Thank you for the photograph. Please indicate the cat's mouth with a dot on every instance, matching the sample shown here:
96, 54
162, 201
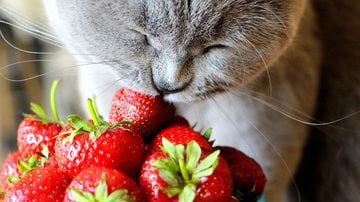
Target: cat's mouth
190, 91
188, 96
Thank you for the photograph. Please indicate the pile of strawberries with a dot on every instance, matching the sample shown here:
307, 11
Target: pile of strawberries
145, 152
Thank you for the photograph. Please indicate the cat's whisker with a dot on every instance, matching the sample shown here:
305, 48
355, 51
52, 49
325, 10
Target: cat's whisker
285, 110
36, 29
56, 71
22, 62
43, 36
293, 113
23, 50
282, 108
25, 21
108, 85
243, 72
274, 148
267, 140
231, 120
57, 53
276, 16
264, 63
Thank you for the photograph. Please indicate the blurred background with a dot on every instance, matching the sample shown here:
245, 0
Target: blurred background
15, 93
28, 65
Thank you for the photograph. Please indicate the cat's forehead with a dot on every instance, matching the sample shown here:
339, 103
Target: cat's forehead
180, 21
182, 18
160, 16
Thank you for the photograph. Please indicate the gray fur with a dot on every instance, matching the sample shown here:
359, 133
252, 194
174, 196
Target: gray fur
248, 68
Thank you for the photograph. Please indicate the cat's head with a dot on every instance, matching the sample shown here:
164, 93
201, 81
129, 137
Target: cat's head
187, 50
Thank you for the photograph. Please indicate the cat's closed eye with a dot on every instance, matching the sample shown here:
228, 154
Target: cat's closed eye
214, 47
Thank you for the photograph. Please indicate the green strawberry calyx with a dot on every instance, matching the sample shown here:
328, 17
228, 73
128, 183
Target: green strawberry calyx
95, 128
40, 112
29, 164
182, 169
207, 134
101, 194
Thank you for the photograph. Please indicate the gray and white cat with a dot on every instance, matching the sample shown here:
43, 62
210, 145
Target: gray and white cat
250, 69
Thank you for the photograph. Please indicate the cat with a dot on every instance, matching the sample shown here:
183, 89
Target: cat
250, 69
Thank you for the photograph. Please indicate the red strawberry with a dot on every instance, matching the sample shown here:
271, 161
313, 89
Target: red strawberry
9, 169
185, 174
33, 133
178, 134
45, 184
179, 120
248, 176
103, 184
84, 144
15, 168
148, 113
37, 130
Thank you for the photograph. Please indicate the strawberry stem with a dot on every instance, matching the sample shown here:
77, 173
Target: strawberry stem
53, 104
93, 112
96, 110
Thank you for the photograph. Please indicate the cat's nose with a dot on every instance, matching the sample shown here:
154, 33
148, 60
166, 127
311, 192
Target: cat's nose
165, 88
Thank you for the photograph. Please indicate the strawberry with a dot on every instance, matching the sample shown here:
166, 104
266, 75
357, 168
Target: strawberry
148, 113
178, 134
9, 170
103, 184
37, 130
179, 120
185, 174
15, 168
45, 183
34, 133
248, 176
84, 144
